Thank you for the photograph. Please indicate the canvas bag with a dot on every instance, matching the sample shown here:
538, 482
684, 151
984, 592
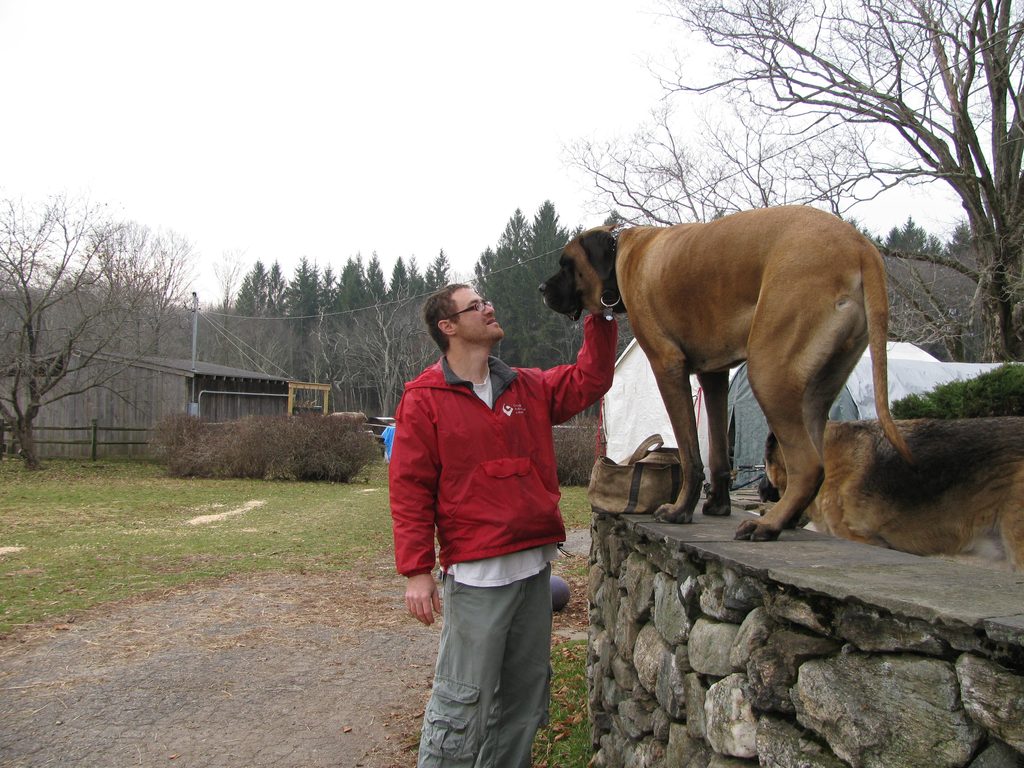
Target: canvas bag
649, 478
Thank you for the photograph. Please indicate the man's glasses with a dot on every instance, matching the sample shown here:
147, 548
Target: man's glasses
477, 306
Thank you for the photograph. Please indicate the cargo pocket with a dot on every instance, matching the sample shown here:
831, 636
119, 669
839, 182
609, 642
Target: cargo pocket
449, 724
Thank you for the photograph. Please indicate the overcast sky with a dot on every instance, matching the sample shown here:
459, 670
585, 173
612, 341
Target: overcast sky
320, 129
277, 130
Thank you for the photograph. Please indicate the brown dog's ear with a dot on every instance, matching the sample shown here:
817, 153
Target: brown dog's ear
599, 245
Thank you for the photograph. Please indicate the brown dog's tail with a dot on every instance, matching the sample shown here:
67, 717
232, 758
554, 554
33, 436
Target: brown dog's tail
876, 303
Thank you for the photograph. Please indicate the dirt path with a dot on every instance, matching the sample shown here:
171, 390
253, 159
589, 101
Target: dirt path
290, 671
273, 670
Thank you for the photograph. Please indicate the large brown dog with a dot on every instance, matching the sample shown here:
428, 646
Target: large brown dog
794, 291
965, 487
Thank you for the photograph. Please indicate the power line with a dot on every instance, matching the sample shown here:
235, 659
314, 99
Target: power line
231, 338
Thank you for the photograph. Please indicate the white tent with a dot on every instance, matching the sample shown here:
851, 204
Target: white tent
632, 409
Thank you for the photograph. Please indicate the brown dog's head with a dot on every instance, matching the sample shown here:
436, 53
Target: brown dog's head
586, 276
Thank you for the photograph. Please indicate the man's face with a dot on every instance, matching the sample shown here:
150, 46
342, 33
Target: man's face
473, 319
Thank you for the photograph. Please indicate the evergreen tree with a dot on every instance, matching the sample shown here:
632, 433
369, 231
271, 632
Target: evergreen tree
352, 286
930, 302
328, 290
376, 286
417, 283
252, 295
276, 288
911, 238
555, 339
438, 272
398, 288
500, 278
302, 296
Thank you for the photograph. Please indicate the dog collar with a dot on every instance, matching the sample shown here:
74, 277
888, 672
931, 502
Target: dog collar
611, 298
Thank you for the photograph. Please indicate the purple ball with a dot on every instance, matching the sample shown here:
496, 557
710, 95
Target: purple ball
559, 593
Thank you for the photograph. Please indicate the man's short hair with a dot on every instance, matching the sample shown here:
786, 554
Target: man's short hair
437, 307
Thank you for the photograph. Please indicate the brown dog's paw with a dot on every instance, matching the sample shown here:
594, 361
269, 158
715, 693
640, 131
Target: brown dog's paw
669, 513
716, 509
751, 530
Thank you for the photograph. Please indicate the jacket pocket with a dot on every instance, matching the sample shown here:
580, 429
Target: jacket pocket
449, 724
503, 468
498, 485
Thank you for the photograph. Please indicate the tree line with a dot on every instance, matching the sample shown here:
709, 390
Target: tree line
82, 296
361, 330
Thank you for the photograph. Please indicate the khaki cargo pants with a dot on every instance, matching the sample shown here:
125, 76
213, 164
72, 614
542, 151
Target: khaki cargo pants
491, 683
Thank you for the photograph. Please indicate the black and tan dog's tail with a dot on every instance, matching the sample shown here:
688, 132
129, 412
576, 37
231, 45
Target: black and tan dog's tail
876, 304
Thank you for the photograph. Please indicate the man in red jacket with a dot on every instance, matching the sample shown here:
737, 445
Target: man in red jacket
473, 461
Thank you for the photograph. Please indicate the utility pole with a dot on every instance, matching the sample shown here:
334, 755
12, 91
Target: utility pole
193, 406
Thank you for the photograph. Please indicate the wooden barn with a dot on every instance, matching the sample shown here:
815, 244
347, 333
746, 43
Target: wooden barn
119, 415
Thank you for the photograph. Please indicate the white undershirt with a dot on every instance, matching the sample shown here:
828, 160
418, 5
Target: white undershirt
503, 569
484, 392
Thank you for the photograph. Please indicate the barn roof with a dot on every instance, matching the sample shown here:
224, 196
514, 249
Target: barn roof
184, 366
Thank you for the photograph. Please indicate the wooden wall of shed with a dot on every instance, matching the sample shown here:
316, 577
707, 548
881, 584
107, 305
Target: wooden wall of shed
258, 398
137, 397
141, 397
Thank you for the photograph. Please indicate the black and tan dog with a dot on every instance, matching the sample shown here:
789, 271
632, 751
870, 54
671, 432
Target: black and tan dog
794, 291
965, 489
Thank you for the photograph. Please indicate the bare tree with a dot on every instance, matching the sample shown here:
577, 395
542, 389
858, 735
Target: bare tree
74, 289
855, 98
161, 264
392, 347
229, 272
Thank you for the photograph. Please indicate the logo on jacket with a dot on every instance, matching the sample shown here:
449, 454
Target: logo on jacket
516, 408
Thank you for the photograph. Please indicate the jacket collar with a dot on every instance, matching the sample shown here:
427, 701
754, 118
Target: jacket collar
501, 375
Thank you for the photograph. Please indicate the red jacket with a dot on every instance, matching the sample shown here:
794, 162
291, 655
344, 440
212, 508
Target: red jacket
486, 479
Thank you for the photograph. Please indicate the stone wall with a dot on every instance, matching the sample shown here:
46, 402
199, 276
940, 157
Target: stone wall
808, 652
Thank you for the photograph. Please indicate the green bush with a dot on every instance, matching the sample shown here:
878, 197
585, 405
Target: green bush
575, 450
999, 392
308, 447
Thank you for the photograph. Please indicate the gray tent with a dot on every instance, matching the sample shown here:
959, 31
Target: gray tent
910, 371
632, 409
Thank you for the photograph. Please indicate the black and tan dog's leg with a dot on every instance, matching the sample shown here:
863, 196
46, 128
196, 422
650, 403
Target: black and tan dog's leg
674, 384
716, 402
805, 472
1011, 524
800, 432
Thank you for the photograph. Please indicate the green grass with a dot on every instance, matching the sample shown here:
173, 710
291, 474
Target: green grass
565, 743
94, 533
575, 507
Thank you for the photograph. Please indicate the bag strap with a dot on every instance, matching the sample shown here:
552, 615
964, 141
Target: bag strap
634, 490
634, 486
652, 443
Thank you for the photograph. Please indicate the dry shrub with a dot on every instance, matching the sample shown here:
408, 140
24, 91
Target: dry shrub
308, 447
185, 445
575, 449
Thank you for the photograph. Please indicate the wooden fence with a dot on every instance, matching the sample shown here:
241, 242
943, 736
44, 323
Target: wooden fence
91, 437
